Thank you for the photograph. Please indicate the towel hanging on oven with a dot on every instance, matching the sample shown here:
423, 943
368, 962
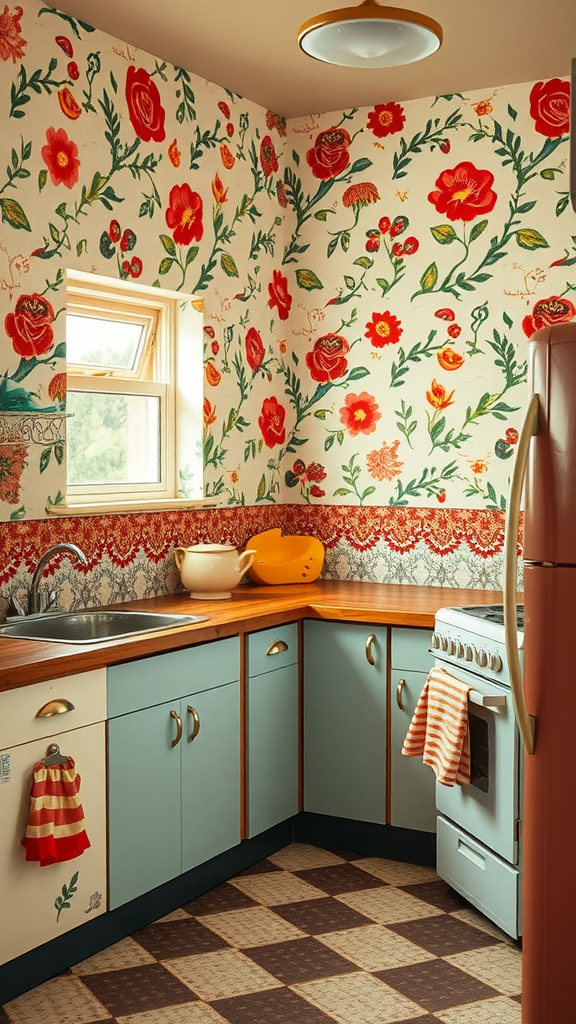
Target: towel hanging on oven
439, 728
55, 830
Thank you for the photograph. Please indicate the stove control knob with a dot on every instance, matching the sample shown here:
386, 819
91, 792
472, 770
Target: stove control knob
435, 643
452, 648
444, 642
481, 659
469, 652
495, 663
459, 649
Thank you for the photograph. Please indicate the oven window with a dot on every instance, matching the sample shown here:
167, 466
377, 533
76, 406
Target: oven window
479, 753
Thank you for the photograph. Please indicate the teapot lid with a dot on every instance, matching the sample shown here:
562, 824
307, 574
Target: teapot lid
211, 547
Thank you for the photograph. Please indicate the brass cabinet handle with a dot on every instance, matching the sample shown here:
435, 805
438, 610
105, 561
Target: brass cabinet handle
196, 728
369, 654
278, 647
55, 707
178, 720
401, 684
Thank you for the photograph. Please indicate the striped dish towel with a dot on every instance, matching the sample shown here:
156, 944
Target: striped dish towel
439, 728
55, 830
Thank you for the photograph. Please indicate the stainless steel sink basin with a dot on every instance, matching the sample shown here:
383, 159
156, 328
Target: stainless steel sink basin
92, 627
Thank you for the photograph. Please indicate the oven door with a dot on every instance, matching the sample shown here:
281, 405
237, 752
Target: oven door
488, 808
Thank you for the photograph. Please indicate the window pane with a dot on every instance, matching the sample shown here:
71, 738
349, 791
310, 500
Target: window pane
113, 438
93, 341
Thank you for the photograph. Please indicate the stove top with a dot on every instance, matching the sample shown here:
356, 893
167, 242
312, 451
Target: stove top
472, 638
494, 613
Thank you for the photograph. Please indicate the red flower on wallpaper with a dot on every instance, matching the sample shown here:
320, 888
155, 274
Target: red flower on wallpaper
184, 215
68, 105
385, 329
464, 192
268, 158
174, 154
208, 413
12, 462
360, 414
445, 314
145, 109
11, 42
57, 387
329, 155
224, 109
61, 158
227, 157
279, 294
218, 191
550, 107
271, 422
276, 121
548, 312
30, 326
327, 360
254, 349
386, 119
454, 330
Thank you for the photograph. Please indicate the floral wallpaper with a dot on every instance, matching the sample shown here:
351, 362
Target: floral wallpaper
369, 277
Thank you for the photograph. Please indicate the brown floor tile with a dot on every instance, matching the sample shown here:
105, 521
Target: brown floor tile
439, 894
436, 985
138, 989
178, 938
345, 854
260, 868
223, 897
442, 935
276, 1006
322, 915
340, 878
518, 999
300, 960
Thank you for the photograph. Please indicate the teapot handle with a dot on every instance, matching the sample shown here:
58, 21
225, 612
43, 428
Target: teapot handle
179, 555
245, 560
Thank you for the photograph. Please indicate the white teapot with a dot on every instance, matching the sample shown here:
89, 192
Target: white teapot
211, 571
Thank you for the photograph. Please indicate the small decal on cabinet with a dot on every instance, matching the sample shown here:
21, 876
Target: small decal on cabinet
4, 768
63, 902
94, 902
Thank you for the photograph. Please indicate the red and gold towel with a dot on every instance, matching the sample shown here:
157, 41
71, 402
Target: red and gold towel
55, 830
439, 728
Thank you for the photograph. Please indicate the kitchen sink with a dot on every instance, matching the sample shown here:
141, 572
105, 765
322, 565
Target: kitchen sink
92, 627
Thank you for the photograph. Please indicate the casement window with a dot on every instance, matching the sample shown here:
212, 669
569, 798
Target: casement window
123, 393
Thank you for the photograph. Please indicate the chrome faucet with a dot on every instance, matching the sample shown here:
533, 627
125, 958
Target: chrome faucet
35, 602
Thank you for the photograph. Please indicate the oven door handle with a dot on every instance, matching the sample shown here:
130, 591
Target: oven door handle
487, 700
529, 429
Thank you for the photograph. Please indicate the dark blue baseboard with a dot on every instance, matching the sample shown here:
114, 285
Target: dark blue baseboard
366, 838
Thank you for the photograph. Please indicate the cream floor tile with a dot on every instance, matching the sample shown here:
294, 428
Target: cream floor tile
300, 856
489, 1011
222, 974
374, 948
255, 926
63, 1000
388, 905
277, 887
472, 916
186, 1013
126, 953
396, 872
359, 999
498, 966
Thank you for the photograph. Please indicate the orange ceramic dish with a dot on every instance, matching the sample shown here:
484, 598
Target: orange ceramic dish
281, 559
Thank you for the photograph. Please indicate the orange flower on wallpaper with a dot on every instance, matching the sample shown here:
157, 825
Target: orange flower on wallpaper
213, 375
479, 466
174, 154
68, 104
218, 191
209, 413
361, 194
11, 42
438, 396
450, 360
382, 463
57, 387
360, 414
227, 157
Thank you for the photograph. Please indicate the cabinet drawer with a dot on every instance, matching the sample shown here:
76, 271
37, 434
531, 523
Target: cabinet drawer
86, 693
262, 656
164, 677
480, 876
410, 649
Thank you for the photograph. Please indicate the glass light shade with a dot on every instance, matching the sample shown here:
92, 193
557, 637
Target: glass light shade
370, 36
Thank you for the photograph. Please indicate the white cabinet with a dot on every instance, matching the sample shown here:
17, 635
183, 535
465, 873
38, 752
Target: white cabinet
41, 903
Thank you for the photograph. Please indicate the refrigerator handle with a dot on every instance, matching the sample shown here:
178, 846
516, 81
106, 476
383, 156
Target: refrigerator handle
529, 429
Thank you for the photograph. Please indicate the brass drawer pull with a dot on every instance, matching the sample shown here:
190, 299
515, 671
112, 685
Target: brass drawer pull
399, 688
178, 720
369, 654
278, 647
196, 728
55, 707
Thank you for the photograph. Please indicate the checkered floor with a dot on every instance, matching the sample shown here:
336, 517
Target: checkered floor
307, 936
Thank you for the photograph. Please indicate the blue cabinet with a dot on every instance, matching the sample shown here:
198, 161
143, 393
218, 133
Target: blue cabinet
345, 684
412, 783
272, 727
173, 766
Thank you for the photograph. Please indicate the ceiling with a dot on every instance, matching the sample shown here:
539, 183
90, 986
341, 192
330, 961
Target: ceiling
249, 47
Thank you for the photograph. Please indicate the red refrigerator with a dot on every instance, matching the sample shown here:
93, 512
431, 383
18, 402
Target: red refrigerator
545, 699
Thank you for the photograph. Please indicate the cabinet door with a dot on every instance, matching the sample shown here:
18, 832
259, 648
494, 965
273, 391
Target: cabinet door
210, 774
345, 720
272, 748
144, 802
413, 783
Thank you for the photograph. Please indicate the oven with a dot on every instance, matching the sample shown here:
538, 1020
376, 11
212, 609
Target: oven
479, 825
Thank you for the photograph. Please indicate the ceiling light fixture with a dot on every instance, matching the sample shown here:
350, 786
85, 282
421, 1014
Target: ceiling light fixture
370, 36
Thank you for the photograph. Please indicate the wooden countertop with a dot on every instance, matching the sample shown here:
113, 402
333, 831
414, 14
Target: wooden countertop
251, 607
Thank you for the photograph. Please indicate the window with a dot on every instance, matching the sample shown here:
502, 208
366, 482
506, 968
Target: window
123, 393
